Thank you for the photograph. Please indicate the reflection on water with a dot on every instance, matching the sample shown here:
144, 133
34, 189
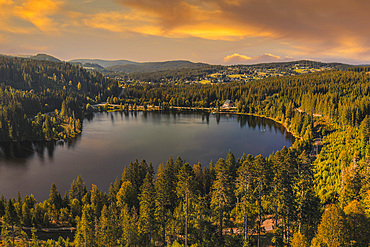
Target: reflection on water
110, 141
20, 152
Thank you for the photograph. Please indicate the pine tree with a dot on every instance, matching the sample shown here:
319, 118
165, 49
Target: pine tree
85, 233
147, 202
129, 226
178, 164
113, 190
358, 224
136, 174
162, 200
126, 195
185, 189
307, 203
260, 184
231, 164
171, 181
96, 200
244, 188
11, 217
78, 189
55, 197
108, 229
221, 192
332, 230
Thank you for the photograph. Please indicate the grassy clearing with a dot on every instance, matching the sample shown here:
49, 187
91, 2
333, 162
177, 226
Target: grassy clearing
215, 75
239, 76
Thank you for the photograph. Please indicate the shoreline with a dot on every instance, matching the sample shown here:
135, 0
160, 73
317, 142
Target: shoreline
231, 110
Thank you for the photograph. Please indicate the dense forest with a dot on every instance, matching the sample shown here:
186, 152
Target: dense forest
285, 66
315, 193
180, 75
193, 73
31, 90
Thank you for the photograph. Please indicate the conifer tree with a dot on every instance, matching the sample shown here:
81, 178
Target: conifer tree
221, 192
332, 230
307, 204
11, 217
96, 200
108, 229
126, 195
129, 226
185, 189
85, 233
162, 200
244, 188
55, 197
78, 189
357, 223
260, 184
147, 203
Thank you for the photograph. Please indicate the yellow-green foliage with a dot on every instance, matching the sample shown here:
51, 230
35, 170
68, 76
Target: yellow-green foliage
299, 240
205, 82
239, 76
340, 166
333, 158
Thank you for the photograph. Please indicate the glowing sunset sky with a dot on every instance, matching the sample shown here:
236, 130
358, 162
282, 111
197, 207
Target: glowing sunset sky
212, 31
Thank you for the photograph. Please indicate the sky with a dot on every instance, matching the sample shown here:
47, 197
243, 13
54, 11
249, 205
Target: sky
210, 31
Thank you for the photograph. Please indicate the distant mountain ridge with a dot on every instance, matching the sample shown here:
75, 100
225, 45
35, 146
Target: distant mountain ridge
101, 62
39, 56
123, 66
154, 66
45, 57
117, 66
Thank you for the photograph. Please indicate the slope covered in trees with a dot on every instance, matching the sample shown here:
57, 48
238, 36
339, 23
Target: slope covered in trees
217, 73
42, 100
154, 66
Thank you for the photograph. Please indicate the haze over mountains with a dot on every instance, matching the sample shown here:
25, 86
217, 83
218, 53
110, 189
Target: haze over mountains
102, 62
122, 66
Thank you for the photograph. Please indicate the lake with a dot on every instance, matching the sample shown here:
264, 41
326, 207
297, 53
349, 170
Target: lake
109, 141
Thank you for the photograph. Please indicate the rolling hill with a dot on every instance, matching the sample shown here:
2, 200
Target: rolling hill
45, 57
101, 62
154, 66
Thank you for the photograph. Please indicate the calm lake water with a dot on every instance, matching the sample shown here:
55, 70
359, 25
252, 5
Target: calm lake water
110, 141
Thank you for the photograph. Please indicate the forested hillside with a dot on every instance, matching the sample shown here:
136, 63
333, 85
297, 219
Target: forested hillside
218, 73
154, 66
42, 100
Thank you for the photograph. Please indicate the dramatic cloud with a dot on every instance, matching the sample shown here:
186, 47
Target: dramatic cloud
182, 18
29, 16
242, 59
39, 13
325, 27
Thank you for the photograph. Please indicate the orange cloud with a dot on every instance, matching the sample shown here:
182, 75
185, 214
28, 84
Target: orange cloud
242, 59
174, 19
29, 16
236, 59
39, 13
323, 27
